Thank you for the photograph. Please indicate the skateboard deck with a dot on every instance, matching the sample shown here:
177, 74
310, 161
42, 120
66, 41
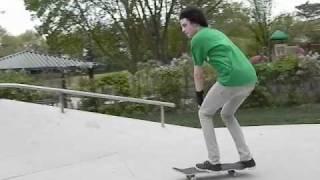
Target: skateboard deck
191, 172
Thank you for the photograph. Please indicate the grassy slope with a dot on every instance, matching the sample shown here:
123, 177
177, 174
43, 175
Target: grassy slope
304, 114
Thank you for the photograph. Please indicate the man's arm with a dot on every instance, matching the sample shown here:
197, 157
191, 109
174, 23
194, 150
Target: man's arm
198, 76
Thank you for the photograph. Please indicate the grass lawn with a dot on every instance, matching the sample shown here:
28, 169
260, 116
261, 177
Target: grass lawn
303, 114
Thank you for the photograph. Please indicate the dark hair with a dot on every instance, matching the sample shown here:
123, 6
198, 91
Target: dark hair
194, 15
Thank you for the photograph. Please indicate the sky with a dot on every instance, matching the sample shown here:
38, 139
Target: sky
16, 20
283, 6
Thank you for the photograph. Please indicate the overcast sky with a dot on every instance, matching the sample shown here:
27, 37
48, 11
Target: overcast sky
17, 20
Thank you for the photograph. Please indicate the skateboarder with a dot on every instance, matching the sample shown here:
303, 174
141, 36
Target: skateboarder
236, 79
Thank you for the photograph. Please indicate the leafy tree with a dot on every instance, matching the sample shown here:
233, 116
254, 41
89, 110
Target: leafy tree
233, 20
210, 8
261, 14
177, 41
26, 41
69, 27
310, 11
90, 19
299, 31
31, 40
2, 31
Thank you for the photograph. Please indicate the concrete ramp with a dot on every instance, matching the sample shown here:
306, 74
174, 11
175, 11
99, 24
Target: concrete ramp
37, 142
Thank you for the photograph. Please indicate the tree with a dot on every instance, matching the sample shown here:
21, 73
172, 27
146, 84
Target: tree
142, 25
31, 40
69, 25
261, 26
234, 21
27, 41
210, 8
310, 11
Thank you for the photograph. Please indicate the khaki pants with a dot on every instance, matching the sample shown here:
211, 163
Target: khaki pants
230, 99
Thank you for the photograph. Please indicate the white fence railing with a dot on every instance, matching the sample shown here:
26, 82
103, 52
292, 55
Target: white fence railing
62, 92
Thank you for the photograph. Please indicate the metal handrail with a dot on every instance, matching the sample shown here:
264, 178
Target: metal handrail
90, 94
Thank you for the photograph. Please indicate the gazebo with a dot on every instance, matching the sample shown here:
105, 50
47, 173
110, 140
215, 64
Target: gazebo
35, 62
47, 66
39, 63
279, 40
279, 36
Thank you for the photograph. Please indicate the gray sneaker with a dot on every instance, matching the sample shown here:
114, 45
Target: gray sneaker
208, 166
249, 164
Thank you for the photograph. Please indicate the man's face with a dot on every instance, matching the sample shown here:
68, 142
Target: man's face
188, 28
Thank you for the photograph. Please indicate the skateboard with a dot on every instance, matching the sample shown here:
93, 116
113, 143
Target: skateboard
230, 168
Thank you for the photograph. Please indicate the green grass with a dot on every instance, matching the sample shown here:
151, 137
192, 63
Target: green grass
303, 114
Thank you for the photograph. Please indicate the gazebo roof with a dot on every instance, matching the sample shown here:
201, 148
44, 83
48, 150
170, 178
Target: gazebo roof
33, 60
279, 35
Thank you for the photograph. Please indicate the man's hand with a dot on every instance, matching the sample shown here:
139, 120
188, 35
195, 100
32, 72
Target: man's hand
199, 95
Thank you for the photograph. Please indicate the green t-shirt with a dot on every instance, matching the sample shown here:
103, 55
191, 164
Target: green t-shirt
232, 66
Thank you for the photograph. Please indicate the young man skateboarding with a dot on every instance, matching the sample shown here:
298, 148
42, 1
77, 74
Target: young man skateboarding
236, 79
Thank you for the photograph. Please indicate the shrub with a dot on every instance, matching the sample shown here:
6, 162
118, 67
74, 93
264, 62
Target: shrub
117, 83
20, 94
285, 82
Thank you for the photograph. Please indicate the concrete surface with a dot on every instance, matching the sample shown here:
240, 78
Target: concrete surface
37, 142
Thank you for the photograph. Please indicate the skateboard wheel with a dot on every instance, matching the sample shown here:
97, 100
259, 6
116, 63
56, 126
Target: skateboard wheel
232, 173
191, 177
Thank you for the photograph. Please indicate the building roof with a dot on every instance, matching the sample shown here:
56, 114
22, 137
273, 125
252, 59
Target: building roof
279, 35
34, 60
